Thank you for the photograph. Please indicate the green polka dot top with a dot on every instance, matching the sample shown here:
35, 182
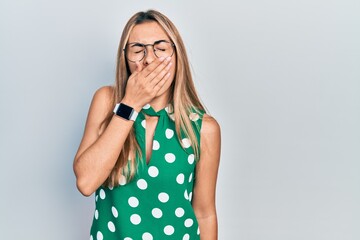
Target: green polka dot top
156, 204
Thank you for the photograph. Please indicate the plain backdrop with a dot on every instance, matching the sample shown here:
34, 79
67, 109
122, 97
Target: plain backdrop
281, 77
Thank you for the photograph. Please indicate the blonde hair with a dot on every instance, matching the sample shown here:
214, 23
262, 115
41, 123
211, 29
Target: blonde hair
183, 96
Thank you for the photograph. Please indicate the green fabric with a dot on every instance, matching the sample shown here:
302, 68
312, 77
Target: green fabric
156, 204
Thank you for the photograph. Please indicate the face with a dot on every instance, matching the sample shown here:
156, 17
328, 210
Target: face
149, 33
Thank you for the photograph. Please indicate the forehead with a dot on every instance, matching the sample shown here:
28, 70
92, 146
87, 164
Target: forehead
147, 32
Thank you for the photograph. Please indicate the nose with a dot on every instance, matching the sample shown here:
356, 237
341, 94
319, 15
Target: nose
149, 55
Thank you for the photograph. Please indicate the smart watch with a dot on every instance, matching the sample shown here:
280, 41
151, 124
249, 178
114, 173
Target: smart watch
125, 111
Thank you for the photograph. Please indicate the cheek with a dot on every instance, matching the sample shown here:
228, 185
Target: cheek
132, 67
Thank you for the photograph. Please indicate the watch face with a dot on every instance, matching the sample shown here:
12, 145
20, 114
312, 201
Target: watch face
124, 111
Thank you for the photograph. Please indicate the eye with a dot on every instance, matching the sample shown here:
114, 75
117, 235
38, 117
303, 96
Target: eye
136, 49
162, 46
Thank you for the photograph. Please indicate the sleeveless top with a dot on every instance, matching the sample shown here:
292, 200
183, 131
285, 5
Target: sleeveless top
157, 203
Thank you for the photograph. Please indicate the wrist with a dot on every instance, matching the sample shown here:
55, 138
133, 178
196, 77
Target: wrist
132, 104
125, 111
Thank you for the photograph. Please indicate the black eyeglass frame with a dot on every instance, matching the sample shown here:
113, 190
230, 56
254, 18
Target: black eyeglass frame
145, 49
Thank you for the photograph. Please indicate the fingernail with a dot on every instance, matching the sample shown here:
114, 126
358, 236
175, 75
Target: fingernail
168, 59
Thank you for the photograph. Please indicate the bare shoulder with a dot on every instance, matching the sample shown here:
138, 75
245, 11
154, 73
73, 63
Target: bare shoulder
102, 100
210, 144
210, 126
105, 90
101, 106
104, 94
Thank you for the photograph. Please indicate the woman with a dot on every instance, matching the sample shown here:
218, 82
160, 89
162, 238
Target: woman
149, 151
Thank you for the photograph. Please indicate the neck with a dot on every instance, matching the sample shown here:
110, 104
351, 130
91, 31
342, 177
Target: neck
160, 102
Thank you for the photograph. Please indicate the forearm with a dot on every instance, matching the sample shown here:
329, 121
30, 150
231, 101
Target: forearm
94, 165
208, 227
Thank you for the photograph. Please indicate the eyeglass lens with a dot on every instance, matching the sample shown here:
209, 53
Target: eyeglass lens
136, 51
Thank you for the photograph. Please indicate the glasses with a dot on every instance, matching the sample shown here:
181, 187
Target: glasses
135, 52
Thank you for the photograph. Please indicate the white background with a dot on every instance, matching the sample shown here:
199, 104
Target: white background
281, 77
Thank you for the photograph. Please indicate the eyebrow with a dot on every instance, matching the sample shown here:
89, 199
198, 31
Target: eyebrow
137, 44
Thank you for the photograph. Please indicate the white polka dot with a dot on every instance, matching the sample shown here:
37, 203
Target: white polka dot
102, 194
190, 196
169, 133
135, 219
191, 158
180, 178
186, 195
96, 197
133, 202
194, 116
114, 212
163, 197
96, 214
142, 184
170, 157
153, 171
169, 230
111, 226
190, 177
122, 180
110, 187
127, 238
156, 212
146, 106
188, 222
186, 142
198, 231
143, 123
156, 145
91, 237
147, 236
186, 237
99, 236
179, 212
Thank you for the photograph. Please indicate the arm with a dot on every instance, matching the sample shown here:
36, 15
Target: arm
97, 155
206, 175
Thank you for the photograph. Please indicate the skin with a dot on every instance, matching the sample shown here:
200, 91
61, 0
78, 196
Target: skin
148, 33
149, 82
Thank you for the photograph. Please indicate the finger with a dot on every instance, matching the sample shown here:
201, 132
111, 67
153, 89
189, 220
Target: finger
162, 82
160, 75
152, 66
164, 66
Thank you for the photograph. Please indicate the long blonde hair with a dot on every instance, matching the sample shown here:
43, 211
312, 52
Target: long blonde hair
183, 96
